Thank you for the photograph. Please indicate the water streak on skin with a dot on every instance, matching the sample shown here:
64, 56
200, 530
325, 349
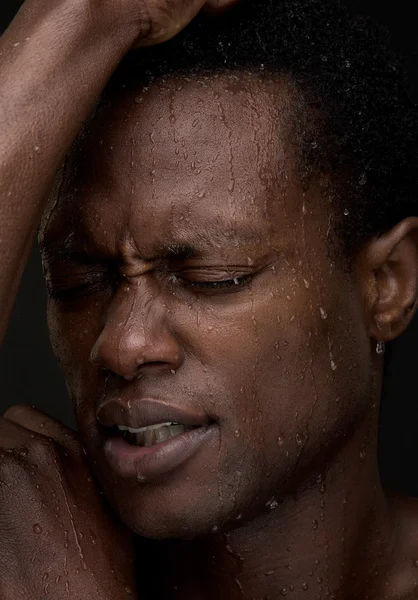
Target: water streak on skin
70, 514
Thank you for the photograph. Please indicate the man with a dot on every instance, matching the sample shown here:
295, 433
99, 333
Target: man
228, 245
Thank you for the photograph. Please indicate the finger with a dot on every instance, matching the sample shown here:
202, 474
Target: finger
172, 25
214, 6
12, 436
37, 421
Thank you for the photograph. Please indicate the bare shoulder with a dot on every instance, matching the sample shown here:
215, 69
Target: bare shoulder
402, 579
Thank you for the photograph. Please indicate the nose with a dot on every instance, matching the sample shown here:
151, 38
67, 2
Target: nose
135, 338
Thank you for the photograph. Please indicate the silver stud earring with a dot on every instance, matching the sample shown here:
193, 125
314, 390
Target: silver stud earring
380, 348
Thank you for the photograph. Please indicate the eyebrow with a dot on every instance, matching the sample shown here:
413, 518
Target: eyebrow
190, 245
61, 250
215, 236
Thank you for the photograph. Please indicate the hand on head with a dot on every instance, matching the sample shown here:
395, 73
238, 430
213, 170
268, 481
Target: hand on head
166, 18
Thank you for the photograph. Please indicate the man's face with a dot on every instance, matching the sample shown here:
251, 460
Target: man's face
192, 284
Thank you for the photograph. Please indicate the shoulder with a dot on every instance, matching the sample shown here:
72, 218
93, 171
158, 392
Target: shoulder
402, 580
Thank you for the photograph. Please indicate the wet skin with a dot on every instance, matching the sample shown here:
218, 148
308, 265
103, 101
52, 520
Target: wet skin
187, 265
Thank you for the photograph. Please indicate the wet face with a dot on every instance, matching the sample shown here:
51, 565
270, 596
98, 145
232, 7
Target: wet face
194, 301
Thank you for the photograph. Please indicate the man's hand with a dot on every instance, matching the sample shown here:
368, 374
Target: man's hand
165, 18
57, 537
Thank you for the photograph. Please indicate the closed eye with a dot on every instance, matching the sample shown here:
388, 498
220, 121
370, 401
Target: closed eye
222, 284
76, 287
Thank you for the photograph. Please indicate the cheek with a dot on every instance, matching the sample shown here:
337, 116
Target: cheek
317, 379
288, 369
72, 338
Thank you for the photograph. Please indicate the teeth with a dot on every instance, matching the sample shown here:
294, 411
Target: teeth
145, 429
150, 436
177, 429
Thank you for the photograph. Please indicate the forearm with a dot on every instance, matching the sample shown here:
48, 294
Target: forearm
54, 62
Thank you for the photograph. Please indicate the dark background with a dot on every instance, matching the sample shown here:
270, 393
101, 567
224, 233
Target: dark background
29, 374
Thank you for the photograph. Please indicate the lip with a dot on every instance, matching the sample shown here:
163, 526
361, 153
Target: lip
149, 462
142, 412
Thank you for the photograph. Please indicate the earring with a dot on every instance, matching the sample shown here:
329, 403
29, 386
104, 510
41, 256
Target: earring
380, 348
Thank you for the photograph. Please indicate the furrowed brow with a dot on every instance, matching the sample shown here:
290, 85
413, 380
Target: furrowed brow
62, 252
196, 241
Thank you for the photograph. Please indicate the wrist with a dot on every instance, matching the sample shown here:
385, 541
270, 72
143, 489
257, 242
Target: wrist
115, 24
122, 22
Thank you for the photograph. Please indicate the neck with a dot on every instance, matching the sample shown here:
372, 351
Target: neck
331, 538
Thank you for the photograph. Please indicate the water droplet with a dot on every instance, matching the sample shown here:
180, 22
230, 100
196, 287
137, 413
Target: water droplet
300, 439
37, 528
346, 212
237, 433
324, 314
272, 504
305, 586
280, 440
363, 179
284, 591
362, 456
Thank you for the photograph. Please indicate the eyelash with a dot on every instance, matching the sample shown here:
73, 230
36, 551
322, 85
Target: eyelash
235, 283
97, 283
68, 294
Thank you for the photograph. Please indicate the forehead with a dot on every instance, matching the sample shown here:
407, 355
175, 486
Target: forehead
190, 151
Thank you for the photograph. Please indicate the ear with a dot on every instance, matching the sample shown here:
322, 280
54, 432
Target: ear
387, 270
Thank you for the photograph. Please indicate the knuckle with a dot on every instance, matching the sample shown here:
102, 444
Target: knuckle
42, 448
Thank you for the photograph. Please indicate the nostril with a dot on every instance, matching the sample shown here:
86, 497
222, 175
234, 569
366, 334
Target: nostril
94, 356
156, 365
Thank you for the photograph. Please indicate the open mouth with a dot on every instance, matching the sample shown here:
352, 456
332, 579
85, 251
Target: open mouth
153, 434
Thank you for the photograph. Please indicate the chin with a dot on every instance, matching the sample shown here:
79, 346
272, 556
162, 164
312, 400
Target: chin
166, 511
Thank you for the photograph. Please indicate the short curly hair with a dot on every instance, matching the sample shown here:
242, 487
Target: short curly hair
366, 135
